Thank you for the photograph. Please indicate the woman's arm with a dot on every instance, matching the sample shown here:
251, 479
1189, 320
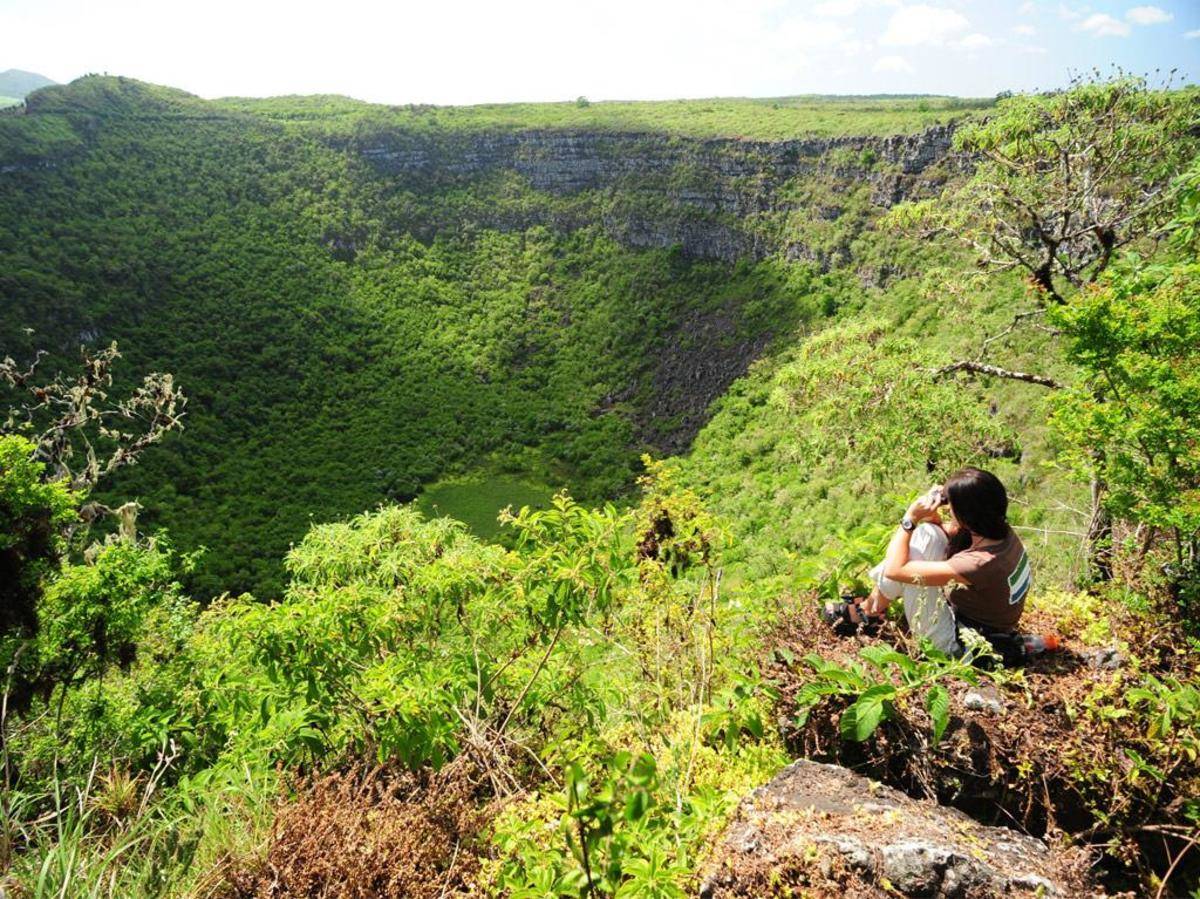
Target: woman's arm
898, 567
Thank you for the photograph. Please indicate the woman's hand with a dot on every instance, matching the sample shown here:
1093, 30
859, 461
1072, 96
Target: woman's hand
924, 508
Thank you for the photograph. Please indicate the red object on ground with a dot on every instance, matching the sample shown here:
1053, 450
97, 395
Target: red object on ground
1035, 643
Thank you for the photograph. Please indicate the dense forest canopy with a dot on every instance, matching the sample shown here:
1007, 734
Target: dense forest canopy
333, 360
253, 349
347, 336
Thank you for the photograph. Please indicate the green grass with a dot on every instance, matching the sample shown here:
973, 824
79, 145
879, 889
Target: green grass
763, 119
9, 101
477, 500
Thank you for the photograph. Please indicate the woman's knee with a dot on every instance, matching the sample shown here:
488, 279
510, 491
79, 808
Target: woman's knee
928, 543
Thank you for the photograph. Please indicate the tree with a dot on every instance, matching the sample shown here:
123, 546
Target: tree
1062, 181
34, 514
78, 433
1132, 422
60, 439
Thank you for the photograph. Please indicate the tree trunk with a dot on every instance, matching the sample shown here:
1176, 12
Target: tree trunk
1100, 535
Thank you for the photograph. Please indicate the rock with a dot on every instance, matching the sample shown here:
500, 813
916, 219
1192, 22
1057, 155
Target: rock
984, 699
697, 364
1108, 659
825, 830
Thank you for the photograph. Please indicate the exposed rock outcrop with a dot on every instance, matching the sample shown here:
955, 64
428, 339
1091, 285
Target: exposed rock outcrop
825, 829
723, 198
699, 362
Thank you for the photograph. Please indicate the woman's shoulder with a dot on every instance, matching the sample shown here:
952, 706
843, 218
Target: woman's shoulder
976, 557
1013, 546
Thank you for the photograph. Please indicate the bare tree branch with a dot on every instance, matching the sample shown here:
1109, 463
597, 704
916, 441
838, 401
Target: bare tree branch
1064, 181
994, 370
80, 434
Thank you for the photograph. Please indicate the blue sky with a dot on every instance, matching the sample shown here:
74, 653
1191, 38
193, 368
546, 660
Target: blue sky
466, 51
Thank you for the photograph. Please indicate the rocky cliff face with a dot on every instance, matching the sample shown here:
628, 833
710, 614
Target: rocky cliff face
720, 199
821, 830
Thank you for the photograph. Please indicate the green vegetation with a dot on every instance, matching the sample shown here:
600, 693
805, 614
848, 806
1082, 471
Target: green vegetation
1130, 424
778, 118
567, 699
477, 500
333, 360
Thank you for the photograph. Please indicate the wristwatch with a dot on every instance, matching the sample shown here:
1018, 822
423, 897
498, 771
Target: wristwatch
908, 524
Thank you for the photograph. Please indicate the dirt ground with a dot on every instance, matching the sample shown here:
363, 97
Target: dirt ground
1041, 759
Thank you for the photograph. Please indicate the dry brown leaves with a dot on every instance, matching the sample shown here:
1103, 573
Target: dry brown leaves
370, 834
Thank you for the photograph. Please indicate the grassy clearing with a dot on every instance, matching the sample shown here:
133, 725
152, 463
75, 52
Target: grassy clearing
477, 500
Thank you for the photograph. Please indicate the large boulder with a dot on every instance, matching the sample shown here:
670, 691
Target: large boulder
821, 830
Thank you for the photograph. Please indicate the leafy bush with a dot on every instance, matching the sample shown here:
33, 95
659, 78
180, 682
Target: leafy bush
885, 688
97, 614
1131, 422
34, 513
627, 822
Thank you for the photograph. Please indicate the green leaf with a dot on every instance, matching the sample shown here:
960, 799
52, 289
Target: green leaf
644, 771
636, 805
881, 656
937, 700
859, 721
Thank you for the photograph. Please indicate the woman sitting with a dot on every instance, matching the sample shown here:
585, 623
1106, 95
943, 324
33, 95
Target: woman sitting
975, 554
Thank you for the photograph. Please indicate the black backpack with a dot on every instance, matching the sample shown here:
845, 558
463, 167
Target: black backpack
1009, 645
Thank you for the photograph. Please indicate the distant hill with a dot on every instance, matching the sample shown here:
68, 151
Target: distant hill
17, 84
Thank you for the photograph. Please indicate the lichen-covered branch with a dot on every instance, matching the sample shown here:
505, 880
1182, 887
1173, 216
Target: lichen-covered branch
997, 372
81, 435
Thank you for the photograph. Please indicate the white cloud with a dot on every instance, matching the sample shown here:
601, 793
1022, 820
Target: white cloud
896, 64
1025, 30
807, 34
1192, 35
975, 41
1025, 8
912, 26
1148, 15
837, 8
1070, 13
1103, 25
855, 48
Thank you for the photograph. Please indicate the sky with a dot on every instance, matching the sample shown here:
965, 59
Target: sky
474, 51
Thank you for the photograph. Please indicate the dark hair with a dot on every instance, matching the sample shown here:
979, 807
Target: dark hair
979, 502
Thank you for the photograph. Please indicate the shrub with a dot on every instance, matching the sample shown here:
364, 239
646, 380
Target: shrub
368, 834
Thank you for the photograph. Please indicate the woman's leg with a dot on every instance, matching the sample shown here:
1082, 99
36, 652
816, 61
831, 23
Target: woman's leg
929, 615
925, 618
928, 544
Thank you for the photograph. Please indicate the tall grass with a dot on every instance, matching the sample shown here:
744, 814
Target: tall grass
85, 841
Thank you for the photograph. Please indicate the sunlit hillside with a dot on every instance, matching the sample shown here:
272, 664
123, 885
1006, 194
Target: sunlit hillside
430, 501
